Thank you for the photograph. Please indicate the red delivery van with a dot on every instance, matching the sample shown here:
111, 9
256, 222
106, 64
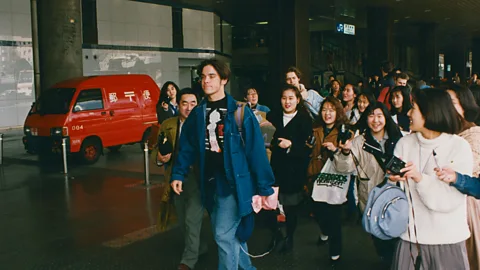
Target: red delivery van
92, 113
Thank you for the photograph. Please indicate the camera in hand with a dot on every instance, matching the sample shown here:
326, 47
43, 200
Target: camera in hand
164, 99
311, 140
394, 165
344, 135
164, 146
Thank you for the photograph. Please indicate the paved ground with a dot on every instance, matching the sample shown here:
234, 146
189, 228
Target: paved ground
101, 217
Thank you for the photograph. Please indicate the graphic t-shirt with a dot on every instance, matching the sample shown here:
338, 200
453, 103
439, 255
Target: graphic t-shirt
215, 124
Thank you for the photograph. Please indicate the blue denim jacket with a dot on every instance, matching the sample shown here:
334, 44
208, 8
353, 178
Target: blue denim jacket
262, 108
313, 102
245, 159
468, 185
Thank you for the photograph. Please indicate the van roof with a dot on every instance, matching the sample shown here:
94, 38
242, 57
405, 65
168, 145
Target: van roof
85, 81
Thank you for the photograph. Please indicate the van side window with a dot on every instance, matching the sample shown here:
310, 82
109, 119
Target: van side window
89, 100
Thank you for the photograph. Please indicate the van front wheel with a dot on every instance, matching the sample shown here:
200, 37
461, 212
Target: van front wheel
91, 150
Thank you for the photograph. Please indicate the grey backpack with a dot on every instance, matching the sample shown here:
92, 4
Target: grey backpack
387, 212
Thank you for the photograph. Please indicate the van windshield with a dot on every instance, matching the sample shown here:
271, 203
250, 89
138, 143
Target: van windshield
55, 101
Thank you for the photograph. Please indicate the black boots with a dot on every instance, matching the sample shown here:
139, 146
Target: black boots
288, 245
277, 239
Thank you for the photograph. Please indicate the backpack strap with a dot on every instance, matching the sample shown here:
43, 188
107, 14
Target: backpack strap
239, 115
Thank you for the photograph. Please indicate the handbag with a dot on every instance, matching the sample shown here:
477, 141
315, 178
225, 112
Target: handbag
330, 186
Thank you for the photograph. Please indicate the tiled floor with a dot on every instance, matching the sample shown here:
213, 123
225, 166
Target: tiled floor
101, 217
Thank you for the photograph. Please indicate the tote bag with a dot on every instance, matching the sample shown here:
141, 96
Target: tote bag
330, 186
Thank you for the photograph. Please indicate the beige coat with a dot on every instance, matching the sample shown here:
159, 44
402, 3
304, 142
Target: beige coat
472, 136
368, 168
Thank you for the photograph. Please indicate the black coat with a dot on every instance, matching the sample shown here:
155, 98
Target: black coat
290, 169
163, 115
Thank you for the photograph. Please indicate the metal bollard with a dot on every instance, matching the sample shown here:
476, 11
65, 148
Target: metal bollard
147, 165
64, 152
1, 149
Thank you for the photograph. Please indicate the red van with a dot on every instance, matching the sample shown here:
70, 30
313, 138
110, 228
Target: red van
92, 113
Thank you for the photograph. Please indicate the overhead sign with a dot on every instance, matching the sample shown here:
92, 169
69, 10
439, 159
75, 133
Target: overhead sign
347, 29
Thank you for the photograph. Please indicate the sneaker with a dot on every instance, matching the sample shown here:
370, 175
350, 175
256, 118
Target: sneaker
334, 261
322, 240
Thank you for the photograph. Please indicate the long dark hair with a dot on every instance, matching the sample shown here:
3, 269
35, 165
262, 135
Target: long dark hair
163, 91
340, 117
301, 108
406, 105
370, 97
330, 91
356, 92
391, 127
476, 95
467, 101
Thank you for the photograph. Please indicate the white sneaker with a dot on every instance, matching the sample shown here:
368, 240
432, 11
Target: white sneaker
334, 258
324, 237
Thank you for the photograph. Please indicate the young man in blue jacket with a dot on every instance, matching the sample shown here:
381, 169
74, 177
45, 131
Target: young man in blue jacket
233, 164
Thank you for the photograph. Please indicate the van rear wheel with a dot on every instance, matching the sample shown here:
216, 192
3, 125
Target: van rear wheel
115, 148
91, 150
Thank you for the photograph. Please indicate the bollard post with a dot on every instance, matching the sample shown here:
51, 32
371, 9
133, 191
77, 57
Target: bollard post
1, 148
147, 166
64, 153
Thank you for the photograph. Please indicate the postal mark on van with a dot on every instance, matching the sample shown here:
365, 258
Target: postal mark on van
130, 94
112, 97
92, 114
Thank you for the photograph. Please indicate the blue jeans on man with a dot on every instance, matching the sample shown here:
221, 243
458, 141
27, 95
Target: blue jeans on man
225, 220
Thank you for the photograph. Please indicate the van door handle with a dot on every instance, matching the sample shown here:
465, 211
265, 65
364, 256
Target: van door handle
112, 113
104, 113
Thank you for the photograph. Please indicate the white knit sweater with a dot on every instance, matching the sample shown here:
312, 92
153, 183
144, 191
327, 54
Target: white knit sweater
440, 210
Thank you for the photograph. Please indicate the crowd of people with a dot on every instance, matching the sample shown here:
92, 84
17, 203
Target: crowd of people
327, 151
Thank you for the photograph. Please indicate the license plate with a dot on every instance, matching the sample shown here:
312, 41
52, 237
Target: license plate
34, 132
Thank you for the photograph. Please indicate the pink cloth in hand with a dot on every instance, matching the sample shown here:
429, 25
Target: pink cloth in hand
269, 203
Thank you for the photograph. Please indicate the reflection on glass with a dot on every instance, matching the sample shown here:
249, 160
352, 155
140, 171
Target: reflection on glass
55, 101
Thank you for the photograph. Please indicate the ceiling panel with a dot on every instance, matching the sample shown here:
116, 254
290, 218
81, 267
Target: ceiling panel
455, 18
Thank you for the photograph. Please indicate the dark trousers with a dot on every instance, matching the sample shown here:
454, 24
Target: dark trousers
385, 248
329, 218
291, 219
352, 204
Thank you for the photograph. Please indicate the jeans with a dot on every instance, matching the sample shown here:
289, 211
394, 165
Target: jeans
225, 220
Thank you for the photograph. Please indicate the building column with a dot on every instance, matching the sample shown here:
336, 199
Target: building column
289, 43
428, 51
456, 56
476, 55
380, 38
59, 40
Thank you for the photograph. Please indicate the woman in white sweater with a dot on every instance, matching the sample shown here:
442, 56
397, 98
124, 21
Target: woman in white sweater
438, 221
